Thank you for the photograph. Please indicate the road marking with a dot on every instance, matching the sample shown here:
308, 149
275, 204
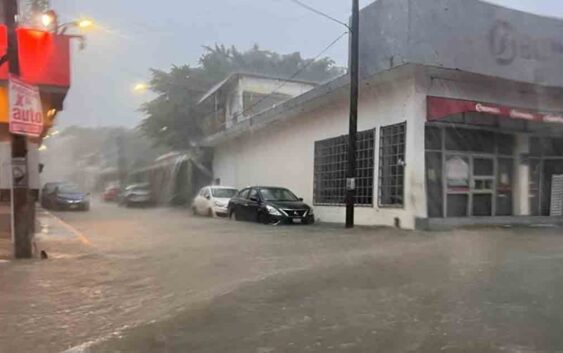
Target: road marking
71, 229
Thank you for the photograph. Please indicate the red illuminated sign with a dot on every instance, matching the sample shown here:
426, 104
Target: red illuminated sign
44, 57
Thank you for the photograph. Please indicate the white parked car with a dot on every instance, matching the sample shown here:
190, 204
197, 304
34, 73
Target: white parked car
213, 201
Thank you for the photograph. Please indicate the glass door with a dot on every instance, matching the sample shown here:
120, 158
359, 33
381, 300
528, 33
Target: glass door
482, 186
470, 185
458, 185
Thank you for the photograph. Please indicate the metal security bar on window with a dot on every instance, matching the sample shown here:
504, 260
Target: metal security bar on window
392, 165
331, 158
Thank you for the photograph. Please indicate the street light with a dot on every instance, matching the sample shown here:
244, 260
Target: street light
140, 87
81, 23
85, 23
50, 20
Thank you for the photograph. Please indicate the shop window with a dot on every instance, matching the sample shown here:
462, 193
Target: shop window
434, 184
392, 165
483, 166
504, 187
331, 162
482, 205
546, 147
457, 205
535, 191
470, 140
553, 147
433, 138
457, 173
505, 144
536, 146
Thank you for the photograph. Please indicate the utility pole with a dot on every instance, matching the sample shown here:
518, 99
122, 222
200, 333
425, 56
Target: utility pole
353, 129
21, 212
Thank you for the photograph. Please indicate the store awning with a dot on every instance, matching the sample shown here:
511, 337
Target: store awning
441, 108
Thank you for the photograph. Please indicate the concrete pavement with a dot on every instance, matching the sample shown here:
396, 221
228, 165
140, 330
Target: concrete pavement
162, 281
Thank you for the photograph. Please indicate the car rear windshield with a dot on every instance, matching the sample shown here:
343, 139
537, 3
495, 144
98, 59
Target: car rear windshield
277, 194
223, 193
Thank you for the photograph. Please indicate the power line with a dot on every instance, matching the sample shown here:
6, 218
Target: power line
312, 61
319, 12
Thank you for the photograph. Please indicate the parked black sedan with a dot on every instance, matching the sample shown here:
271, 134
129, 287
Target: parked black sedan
270, 205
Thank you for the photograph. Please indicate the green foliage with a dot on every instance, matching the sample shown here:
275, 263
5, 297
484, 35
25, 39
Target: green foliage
172, 118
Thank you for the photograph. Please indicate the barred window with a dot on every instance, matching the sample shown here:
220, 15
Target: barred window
392, 165
331, 161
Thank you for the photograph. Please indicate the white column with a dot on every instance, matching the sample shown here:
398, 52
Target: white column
521, 189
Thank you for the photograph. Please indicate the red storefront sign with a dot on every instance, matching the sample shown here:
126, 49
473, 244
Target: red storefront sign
440, 108
25, 111
44, 57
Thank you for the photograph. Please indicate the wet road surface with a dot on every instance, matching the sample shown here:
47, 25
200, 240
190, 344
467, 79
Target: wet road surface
160, 280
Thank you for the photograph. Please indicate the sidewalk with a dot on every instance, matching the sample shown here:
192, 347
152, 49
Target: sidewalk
5, 236
52, 236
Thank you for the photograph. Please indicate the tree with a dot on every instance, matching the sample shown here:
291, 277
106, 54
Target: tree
31, 11
172, 118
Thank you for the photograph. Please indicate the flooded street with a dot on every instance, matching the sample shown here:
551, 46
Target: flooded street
159, 280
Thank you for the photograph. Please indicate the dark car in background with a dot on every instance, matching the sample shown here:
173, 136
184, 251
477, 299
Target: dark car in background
136, 195
270, 205
64, 196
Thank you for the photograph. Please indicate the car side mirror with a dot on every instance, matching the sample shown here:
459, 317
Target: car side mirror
208, 197
254, 199
300, 199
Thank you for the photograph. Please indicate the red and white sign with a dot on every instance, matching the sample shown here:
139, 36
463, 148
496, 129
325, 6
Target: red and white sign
26, 112
441, 108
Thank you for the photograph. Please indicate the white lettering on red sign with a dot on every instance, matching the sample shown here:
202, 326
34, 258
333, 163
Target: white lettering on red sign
487, 109
553, 119
26, 111
517, 114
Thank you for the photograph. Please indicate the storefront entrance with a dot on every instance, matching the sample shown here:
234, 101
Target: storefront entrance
477, 185
469, 172
546, 161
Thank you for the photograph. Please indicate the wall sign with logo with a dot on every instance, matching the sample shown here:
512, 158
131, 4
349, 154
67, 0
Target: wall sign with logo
26, 111
440, 108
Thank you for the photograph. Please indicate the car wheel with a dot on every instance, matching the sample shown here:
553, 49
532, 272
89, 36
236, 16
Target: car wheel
234, 216
264, 219
194, 211
209, 213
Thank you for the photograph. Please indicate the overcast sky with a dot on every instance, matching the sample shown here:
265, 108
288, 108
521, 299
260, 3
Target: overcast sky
136, 35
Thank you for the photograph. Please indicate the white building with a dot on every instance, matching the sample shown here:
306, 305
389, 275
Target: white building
460, 120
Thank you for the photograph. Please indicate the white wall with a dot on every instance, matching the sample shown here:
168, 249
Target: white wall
235, 104
267, 86
283, 154
490, 90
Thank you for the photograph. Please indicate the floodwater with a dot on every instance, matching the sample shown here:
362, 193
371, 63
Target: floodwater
177, 283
